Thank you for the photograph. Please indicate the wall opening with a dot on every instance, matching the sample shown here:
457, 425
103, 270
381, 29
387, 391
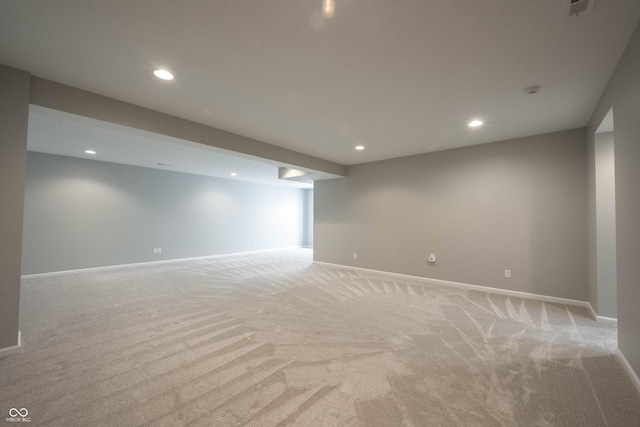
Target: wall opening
606, 270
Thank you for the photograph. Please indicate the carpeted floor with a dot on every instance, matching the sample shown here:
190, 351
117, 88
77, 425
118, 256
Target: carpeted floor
270, 339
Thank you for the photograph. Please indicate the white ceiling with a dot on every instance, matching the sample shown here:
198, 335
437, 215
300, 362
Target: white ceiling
400, 77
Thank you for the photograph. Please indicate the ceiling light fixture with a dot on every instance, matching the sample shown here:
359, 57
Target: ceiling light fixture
89, 151
328, 8
359, 147
233, 174
163, 74
475, 123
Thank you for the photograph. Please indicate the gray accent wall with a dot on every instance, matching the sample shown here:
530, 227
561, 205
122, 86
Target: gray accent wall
14, 116
623, 94
85, 213
514, 205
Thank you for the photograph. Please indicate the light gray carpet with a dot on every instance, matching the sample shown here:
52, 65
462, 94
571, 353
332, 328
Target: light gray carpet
270, 339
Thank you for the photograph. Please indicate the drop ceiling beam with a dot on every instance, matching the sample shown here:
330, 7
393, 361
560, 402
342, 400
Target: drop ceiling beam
49, 94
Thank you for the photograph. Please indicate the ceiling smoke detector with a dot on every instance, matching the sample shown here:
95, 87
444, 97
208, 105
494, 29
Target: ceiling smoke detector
532, 89
576, 7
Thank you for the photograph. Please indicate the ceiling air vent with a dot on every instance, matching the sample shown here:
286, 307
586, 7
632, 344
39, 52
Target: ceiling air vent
576, 7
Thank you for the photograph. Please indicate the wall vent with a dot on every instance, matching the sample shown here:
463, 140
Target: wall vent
577, 7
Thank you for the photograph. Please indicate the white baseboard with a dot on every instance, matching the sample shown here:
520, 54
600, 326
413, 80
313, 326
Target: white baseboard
627, 367
539, 297
164, 261
602, 319
607, 319
8, 351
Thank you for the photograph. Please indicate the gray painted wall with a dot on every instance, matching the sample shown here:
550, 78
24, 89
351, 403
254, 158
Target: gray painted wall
14, 116
517, 205
85, 213
623, 94
592, 276
308, 224
605, 185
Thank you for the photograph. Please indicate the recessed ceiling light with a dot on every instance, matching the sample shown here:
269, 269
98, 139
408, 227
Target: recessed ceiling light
233, 174
475, 123
359, 147
328, 8
163, 74
89, 151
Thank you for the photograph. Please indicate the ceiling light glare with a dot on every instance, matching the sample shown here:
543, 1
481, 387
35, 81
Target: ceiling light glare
359, 147
89, 151
328, 8
233, 174
475, 123
163, 74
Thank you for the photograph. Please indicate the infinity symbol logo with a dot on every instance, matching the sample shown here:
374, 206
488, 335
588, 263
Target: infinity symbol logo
22, 412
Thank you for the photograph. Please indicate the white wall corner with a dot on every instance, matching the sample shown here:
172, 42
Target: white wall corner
627, 367
8, 351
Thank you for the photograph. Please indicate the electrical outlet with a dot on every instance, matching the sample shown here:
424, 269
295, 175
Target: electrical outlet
355, 255
507, 274
159, 250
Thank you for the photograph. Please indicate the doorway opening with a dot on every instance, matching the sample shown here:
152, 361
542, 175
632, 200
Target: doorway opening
606, 270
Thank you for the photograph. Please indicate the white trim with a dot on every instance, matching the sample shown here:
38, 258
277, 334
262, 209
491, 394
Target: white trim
627, 367
164, 261
606, 319
539, 297
602, 319
8, 351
